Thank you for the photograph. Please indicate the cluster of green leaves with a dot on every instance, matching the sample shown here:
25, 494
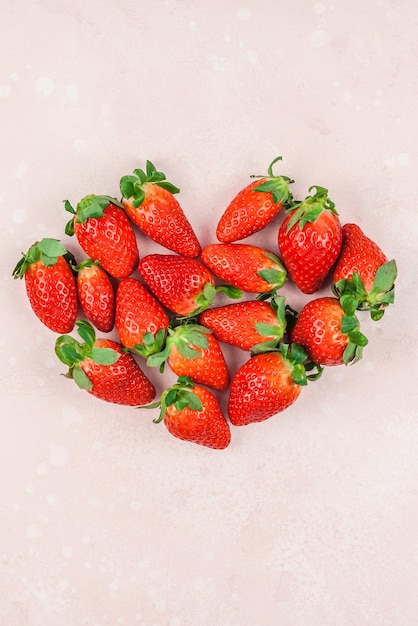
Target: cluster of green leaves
131, 186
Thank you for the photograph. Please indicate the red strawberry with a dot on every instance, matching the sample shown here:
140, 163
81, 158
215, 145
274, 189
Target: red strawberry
247, 267
329, 336
102, 368
363, 276
105, 234
183, 285
248, 324
310, 240
50, 284
266, 384
255, 206
141, 321
149, 202
192, 413
96, 295
191, 350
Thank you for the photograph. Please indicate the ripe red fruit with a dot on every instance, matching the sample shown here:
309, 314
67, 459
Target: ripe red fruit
329, 336
247, 324
50, 284
255, 206
141, 321
192, 413
363, 276
96, 295
101, 367
310, 240
105, 234
266, 384
244, 266
191, 350
149, 202
183, 285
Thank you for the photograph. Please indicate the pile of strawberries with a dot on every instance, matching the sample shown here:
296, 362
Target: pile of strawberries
166, 313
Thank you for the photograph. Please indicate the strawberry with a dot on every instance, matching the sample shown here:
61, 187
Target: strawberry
141, 321
149, 202
105, 234
183, 285
310, 240
191, 350
50, 284
329, 336
96, 295
244, 266
101, 367
192, 413
255, 206
266, 384
363, 276
248, 324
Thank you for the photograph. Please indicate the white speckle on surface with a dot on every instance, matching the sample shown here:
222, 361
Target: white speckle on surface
397, 160
319, 8
21, 170
67, 552
319, 38
71, 416
79, 145
217, 63
44, 86
29, 488
58, 455
42, 469
193, 26
105, 109
5, 91
244, 14
19, 216
32, 531
72, 92
346, 96
51, 499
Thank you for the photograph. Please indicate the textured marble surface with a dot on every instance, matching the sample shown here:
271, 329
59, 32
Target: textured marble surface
310, 518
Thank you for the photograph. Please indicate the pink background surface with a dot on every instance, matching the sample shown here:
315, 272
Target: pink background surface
310, 518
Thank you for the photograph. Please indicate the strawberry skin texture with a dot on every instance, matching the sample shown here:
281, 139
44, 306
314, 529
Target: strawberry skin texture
176, 281
239, 265
318, 330
262, 387
249, 212
358, 254
161, 218
96, 296
209, 368
110, 240
207, 427
309, 253
121, 383
137, 313
235, 323
52, 294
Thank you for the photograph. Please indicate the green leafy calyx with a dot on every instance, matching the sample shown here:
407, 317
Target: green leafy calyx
46, 251
311, 208
180, 395
72, 353
132, 186
278, 186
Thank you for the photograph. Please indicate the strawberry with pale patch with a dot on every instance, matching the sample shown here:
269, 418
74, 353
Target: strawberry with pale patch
102, 368
148, 198
255, 206
364, 278
47, 268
